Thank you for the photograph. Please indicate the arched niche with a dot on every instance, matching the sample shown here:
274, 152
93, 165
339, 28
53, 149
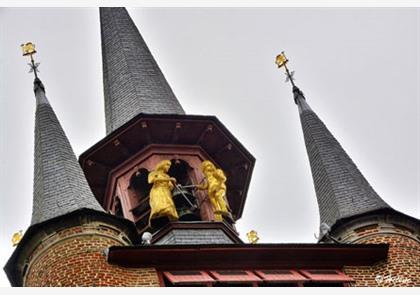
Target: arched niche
184, 195
139, 190
129, 182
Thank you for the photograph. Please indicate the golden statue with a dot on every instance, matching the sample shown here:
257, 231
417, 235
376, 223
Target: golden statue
216, 189
161, 202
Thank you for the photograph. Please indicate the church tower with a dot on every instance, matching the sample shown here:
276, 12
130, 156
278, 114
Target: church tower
147, 125
68, 225
155, 202
133, 82
350, 210
78, 214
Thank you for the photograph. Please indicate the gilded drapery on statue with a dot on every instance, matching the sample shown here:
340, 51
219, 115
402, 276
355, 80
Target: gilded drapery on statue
216, 189
161, 202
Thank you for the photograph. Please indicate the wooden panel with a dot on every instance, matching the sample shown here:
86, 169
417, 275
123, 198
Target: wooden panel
281, 275
235, 276
187, 277
323, 275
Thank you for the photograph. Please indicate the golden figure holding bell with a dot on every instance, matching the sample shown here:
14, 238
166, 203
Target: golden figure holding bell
215, 184
161, 202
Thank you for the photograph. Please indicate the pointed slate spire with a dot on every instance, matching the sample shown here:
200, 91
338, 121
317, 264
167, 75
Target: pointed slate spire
60, 186
133, 82
341, 189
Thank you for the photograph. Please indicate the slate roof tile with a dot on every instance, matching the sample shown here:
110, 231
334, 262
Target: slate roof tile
341, 189
133, 81
60, 186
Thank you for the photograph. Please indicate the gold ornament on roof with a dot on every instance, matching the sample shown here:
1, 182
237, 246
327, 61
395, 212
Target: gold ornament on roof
215, 184
16, 238
281, 61
161, 202
29, 49
252, 237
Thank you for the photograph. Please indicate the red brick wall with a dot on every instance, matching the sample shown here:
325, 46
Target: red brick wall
402, 267
74, 257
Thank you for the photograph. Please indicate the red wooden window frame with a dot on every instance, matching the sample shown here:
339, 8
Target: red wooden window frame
188, 277
235, 276
326, 275
255, 277
281, 276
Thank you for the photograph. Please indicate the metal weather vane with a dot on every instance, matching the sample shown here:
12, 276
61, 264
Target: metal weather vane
281, 61
29, 49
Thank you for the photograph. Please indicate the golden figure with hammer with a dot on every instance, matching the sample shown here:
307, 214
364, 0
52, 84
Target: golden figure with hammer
215, 184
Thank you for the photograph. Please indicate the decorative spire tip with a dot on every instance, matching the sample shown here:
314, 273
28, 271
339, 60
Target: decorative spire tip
281, 61
29, 49
252, 237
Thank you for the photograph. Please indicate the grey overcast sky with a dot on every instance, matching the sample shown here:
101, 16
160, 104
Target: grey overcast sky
359, 70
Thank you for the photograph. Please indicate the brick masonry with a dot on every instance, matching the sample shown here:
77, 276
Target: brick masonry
402, 267
75, 257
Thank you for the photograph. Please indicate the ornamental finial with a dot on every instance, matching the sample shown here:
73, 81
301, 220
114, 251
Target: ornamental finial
252, 237
281, 61
17, 236
29, 49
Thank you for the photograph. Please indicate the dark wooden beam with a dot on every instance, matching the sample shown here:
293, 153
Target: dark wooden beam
204, 133
125, 151
247, 256
176, 131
